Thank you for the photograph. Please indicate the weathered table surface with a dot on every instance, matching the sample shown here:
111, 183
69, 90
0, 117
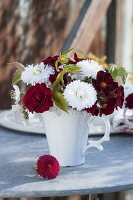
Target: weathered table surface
106, 171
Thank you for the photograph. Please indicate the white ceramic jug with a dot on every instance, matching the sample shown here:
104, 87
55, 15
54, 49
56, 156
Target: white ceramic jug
67, 135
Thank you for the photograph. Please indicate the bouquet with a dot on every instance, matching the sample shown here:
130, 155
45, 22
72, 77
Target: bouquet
66, 83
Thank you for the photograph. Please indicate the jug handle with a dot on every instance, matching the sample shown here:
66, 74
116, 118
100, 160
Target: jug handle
106, 137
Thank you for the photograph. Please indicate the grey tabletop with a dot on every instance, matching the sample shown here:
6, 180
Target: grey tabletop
106, 171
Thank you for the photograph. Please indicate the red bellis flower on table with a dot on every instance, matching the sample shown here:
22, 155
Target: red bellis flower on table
48, 167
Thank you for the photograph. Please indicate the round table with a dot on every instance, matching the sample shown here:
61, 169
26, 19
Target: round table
108, 171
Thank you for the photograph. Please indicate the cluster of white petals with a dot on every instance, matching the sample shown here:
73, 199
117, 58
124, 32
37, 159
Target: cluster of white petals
80, 95
89, 68
39, 73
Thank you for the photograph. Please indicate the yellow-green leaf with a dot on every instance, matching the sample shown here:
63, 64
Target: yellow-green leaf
60, 101
116, 71
56, 64
67, 51
67, 69
63, 59
16, 77
73, 68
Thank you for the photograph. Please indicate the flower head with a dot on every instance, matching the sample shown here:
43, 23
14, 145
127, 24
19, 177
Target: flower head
48, 167
51, 60
104, 82
119, 93
80, 95
108, 107
89, 68
110, 95
75, 59
129, 101
38, 98
39, 73
94, 110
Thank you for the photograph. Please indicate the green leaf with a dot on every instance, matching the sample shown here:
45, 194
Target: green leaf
67, 51
60, 101
63, 59
72, 68
56, 64
116, 71
16, 77
67, 69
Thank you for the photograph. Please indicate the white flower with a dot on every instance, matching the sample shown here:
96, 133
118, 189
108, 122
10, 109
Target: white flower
39, 73
89, 68
80, 95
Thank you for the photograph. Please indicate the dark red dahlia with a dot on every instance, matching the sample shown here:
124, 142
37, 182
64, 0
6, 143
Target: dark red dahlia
48, 167
53, 77
94, 110
104, 82
75, 59
51, 60
119, 96
129, 101
108, 107
38, 98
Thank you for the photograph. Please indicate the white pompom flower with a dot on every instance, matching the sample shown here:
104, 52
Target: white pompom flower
39, 73
80, 95
89, 68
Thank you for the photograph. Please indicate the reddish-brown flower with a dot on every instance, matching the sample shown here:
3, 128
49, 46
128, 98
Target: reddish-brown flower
94, 110
51, 60
108, 107
75, 59
119, 96
53, 77
129, 101
38, 98
104, 82
48, 167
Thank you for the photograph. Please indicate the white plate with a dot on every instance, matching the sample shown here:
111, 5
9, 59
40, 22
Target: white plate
36, 127
6, 120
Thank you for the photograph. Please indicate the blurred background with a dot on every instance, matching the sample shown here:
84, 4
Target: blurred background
31, 30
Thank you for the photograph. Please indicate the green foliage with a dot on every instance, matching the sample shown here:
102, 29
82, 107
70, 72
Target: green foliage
25, 113
67, 69
16, 77
63, 57
67, 51
17, 74
60, 101
118, 71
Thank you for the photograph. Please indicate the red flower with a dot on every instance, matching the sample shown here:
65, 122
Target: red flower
129, 101
108, 107
93, 110
48, 167
53, 77
104, 82
38, 98
51, 60
119, 96
75, 59
110, 95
